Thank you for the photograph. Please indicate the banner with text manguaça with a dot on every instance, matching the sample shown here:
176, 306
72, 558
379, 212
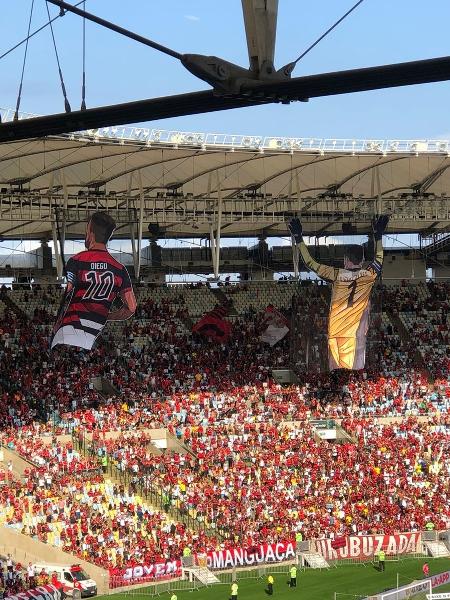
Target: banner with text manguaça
246, 557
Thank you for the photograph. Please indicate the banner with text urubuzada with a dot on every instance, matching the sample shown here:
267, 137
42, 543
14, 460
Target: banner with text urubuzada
363, 547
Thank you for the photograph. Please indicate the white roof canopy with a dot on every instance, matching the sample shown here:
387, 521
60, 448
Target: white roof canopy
183, 181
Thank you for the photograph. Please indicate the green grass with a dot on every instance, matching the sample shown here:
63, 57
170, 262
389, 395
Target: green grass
349, 580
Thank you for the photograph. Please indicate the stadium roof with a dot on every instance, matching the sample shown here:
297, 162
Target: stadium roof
188, 183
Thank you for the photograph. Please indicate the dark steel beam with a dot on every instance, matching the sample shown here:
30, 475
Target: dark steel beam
120, 114
356, 80
300, 88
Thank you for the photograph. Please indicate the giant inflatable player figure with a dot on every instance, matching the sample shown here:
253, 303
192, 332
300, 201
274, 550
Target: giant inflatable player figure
94, 280
348, 320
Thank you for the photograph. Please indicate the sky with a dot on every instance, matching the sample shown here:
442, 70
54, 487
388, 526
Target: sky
121, 70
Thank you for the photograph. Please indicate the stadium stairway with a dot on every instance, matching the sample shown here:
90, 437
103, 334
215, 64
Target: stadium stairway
223, 300
436, 549
154, 501
407, 341
203, 574
343, 436
6, 300
314, 560
176, 445
187, 322
105, 388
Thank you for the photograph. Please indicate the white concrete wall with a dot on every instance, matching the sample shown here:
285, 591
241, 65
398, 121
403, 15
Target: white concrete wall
24, 549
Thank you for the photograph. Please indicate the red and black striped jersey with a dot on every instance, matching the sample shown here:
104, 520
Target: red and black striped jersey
96, 278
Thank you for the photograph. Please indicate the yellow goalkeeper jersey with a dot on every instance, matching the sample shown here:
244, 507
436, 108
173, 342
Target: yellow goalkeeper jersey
349, 308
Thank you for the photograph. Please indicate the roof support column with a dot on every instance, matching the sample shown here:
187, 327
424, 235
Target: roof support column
58, 260
215, 234
375, 190
133, 248
62, 233
295, 252
140, 223
295, 257
133, 232
58, 229
379, 201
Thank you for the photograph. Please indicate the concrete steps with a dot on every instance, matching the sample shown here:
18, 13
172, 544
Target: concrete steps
224, 300
314, 560
436, 549
15, 308
203, 574
406, 340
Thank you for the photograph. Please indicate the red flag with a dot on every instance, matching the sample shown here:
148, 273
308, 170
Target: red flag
339, 542
213, 325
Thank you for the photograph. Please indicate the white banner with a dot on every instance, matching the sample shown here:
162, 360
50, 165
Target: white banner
240, 557
441, 579
408, 591
273, 334
275, 326
361, 547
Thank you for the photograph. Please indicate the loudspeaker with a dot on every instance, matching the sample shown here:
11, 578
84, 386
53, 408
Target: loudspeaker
154, 229
348, 229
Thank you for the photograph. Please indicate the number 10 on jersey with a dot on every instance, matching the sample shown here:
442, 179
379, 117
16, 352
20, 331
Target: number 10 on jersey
101, 284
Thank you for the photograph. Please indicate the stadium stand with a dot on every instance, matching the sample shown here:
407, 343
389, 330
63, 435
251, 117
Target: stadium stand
253, 456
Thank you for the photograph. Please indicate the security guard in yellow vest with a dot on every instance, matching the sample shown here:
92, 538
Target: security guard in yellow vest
104, 461
270, 582
234, 590
293, 574
381, 560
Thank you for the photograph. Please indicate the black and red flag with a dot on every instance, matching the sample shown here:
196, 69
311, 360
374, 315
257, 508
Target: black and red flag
213, 325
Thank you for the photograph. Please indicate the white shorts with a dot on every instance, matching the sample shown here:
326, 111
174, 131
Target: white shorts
69, 336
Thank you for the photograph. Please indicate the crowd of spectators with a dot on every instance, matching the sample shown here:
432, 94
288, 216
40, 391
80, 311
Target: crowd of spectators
249, 477
257, 483
94, 518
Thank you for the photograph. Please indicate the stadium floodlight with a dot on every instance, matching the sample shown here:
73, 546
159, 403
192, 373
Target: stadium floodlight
374, 146
419, 146
275, 143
